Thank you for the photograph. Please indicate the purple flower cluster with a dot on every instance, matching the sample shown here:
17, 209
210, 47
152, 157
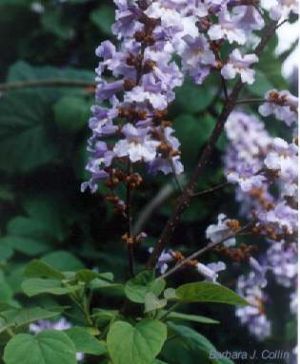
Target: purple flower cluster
130, 106
136, 80
256, 162
253, 316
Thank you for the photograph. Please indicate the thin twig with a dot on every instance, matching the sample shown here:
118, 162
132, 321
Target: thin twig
224, 86
249, 101
211, 189
129, 221
202, 251
185, 199
46, 83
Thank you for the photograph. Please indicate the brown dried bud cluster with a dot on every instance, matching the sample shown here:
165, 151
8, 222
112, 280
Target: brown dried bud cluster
134, 180
132, 114
240, 254
117, 203
259, 195
133, 240
268, 231
129, 85
233, 225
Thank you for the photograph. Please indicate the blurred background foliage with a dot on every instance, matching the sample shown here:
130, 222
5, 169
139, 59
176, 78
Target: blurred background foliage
43, 134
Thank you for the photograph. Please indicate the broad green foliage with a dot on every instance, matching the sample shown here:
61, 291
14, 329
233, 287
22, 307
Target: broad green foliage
103, 18
138, 344
48, 347
24, 121
35, 286
208, 292
195, 345
61, 255
145, 282
85, 342
14, 318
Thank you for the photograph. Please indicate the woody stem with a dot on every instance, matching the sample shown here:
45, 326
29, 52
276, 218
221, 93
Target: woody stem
185, 198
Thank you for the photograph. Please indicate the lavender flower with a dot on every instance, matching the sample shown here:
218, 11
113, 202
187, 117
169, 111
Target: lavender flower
238, 64
253, 316
221, 231
227, 28
282, 104
283, 8
210, 271
283, 262
197, 58
167, 256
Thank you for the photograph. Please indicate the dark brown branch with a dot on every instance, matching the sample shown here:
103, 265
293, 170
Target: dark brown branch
184, 200
199, 252
130, 245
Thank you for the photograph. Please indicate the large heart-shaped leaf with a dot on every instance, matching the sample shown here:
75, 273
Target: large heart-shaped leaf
48, 347
25, 132
208, 292
138, 344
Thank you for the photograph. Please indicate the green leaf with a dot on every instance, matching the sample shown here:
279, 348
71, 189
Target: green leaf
170, 294
261, 84
86, 275
194, 342
194, 132
85, 342
153, 303
103, 18
40, 269
22, 71
103, 317
144, 282
6, 292
192, 98
24, 132
35, 286
71, 113
6, 193
54, 23
48, 347
5, 251
208, 292
27, 246
187, 317
138, 344
14, 318
63, 260
28, 227
48, 214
